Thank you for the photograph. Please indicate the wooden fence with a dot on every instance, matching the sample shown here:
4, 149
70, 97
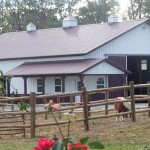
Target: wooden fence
86, 106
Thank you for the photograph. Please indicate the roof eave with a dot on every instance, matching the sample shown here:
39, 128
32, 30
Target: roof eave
54, 56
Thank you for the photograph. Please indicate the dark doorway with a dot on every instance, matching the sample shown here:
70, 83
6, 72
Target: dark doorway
140, 71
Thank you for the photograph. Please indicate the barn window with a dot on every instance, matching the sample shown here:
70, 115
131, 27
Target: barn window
100, 83
57, 85
143, 64
39, 85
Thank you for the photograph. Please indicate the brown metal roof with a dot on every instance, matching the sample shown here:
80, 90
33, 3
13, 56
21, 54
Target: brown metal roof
57, 67
58, 41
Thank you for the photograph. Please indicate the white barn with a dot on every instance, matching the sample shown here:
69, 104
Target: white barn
63, 59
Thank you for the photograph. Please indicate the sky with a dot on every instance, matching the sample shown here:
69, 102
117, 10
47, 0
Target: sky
123, 4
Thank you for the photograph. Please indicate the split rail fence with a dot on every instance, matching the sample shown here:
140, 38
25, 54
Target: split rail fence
21, 126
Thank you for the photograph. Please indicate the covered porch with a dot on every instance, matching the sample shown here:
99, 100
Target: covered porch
62, 76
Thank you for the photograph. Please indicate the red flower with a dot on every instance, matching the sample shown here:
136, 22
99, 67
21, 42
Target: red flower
44, 144
78, 145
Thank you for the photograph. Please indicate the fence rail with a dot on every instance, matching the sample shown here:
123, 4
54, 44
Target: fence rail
85, 108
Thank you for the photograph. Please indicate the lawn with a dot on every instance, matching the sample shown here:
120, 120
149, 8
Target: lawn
28, 145
126, 135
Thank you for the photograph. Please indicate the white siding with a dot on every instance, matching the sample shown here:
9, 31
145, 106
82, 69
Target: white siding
70, 84
104, 68
50, 85
91, 81
134, 42
17, 83
32, 85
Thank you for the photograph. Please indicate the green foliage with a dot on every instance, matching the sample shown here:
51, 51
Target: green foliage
84, 140
15, 15
2, 88
139, 9
1, 73
9, 78
23, 106
96, 11
57, 146
96, 145
146, 8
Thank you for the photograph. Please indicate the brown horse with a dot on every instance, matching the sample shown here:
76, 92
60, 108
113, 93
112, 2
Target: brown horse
122, 107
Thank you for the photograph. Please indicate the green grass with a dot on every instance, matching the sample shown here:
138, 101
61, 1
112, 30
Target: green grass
108, 146
126, 146
17, 145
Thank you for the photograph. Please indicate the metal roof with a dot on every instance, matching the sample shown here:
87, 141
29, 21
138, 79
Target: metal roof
61, 42
57, 67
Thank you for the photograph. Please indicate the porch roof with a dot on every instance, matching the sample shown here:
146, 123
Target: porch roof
69, 67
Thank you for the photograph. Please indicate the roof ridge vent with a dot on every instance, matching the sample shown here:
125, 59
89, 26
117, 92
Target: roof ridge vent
69, 22
31, 27
112, 19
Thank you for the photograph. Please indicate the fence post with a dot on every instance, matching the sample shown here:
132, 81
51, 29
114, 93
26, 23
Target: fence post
58, 99
125, 92
89, 108
85, 108
12, 105
71, 102
106, 100
32, 103
148, 93
24, 129
133, 101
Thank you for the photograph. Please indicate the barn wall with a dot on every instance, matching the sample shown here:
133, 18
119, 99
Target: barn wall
120, 60
134, 42
18, 84
116, 80
70, 83
104, 68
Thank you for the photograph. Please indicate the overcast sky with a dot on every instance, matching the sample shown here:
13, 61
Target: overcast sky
123, 4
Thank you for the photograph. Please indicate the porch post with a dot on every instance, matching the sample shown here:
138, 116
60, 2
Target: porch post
43, 85
63, 83
8, 88
81, 80
82, 85
25, 85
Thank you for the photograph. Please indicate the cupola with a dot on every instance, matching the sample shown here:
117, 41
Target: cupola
112, 19
31, 27
69, 22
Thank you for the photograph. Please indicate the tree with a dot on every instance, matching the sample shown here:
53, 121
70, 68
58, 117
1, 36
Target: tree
97, 11
146, 8
16, 14
135, 10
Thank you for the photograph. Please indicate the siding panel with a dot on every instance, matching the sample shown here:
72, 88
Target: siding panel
135, 42
104, 68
